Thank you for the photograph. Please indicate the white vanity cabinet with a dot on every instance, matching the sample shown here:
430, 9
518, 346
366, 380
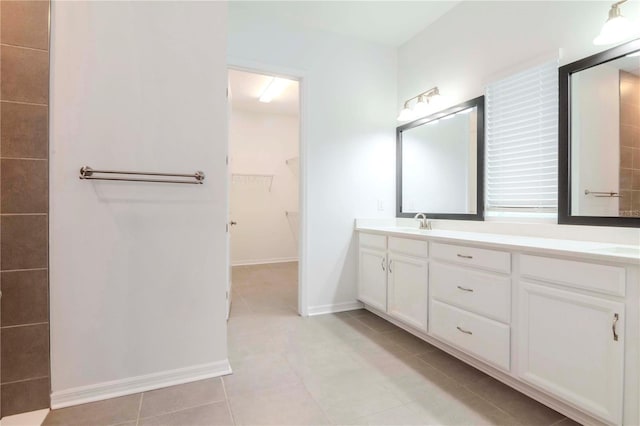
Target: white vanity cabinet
556, 322
372, 270
407, 281
572, 343
393, 278
470, 308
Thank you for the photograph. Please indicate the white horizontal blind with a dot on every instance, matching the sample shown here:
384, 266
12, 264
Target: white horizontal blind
522, 141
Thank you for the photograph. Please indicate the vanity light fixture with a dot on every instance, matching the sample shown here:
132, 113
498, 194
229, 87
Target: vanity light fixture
616, 28
421, 108
274, 89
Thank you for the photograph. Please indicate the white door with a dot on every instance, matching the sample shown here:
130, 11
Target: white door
229, 269
407, 292
572, 346
372, 278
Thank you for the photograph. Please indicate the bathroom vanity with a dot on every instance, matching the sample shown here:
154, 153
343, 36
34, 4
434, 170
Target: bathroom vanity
555, 319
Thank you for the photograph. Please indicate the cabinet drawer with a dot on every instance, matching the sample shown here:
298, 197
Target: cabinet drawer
483, 338
589, 276
493, 260
483, 293
373, 241
408, 247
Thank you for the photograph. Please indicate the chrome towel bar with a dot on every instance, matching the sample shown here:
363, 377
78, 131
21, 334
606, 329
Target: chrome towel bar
602, 194
87, 173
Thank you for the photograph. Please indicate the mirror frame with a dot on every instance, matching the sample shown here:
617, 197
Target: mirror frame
479, 215
564, 138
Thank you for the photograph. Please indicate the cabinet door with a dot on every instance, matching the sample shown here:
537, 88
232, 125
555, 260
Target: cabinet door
407, 300
572, 346
372, 278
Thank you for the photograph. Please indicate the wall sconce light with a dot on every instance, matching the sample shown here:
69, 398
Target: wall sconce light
616, 28
421, 108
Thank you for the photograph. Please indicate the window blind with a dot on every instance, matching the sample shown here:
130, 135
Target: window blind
522, 141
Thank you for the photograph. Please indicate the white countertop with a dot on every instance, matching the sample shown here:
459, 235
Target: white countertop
583, 249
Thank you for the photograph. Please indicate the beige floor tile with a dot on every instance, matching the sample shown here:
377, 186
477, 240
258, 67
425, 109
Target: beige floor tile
403, 415
526, 410
377, 323
205, 415
259, 374
358, 404
453, 367
180, 397
286, 406
108, 412
409, 342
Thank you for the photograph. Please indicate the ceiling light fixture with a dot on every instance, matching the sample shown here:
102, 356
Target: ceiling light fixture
274, 89
422, 106
616, 28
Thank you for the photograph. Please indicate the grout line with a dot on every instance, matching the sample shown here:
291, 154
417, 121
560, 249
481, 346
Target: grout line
23, 158
139, 408
24, 47
24, 325
25, 380
24, 103
24, 214
226, 400
24, 270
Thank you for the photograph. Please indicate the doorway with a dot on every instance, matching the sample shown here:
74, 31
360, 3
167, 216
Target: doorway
264, 192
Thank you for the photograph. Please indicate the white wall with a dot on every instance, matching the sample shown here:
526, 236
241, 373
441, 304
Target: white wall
348, 122
480, 41
260, 144
137, 269
595, 129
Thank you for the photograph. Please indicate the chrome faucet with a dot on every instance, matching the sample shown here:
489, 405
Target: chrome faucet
424, 222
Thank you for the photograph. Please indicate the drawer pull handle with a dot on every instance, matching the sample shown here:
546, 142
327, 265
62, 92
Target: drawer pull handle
390, 262
613, 327
382, 264
464, 256
464, 331
470, 290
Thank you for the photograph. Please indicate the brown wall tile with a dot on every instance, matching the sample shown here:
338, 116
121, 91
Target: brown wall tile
25, 352
24, 187
625, 200
636, 180
626, 178
635, 200
23, 242
25, 396
630, 115
25, 132
25, 23
629, 88
24, 297
25, 75
626, 157
630, 136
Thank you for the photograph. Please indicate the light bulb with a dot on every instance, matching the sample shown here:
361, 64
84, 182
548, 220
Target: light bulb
406, 114
422, 107
617, 28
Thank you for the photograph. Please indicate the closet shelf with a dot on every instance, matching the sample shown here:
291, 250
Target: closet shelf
245, 178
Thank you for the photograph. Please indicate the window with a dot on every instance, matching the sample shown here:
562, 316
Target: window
522, 142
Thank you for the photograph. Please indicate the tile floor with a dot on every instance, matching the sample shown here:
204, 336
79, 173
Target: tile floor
350, 368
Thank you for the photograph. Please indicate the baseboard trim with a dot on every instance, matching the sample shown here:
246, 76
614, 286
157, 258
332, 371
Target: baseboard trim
333, 308
264, 261
131, 385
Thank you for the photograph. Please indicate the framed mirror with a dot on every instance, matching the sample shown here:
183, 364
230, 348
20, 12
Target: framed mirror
440, 164
599, 139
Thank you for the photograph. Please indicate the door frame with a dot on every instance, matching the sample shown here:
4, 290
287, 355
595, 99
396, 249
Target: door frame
301, 77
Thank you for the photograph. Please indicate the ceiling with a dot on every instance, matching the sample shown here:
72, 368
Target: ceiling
246, 88
391, 23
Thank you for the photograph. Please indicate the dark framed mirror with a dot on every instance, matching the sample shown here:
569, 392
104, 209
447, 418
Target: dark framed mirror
440, 164
599, 139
